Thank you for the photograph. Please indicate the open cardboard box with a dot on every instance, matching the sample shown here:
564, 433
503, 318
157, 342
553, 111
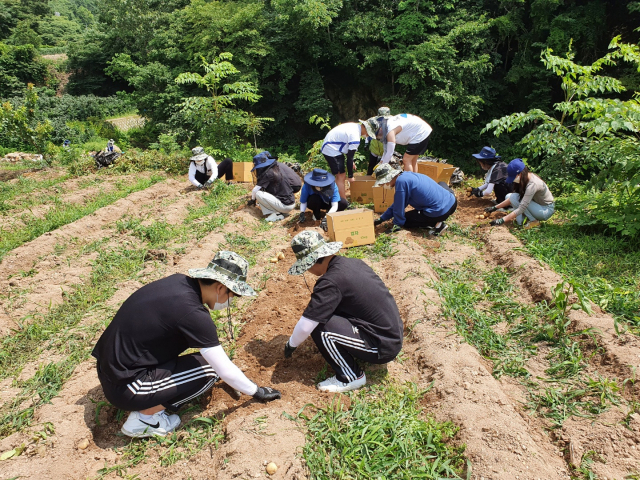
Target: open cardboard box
361, 189
351, 227
242, 172
440, 172
382, 198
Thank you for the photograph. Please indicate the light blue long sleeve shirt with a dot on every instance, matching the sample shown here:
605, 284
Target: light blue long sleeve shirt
422, 193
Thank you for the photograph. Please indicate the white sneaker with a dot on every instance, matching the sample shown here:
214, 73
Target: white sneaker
274, 217
160, 425
334, 385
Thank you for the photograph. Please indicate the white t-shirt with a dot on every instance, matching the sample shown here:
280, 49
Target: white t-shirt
341, 139
209, 167
414, 129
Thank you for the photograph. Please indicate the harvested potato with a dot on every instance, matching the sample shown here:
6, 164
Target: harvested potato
280, 256
274, 260
272, 468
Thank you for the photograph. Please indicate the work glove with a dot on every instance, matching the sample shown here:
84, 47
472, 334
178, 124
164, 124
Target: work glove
200, 187
288, 350
393, 229
251, 203
302, 218
497, 222
490, 209
323, 224
208, 183
267, 394
476, 191
378, 222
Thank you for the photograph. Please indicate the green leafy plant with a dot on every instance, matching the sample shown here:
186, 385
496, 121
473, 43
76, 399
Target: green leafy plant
21, 124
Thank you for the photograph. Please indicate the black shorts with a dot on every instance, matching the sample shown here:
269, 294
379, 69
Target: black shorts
417, 148
171, 384
336, 164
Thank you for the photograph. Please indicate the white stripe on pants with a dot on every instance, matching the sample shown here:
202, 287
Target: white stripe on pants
270, 204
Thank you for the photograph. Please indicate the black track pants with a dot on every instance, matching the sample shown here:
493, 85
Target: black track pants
341, 343
225, 168
315, 204
171, 384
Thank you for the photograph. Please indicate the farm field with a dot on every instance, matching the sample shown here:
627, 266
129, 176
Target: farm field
525, 386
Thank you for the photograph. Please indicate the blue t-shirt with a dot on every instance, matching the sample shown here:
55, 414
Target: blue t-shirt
422, 193
307, 191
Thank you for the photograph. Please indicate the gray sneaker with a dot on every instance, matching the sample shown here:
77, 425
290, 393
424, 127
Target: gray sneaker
161, 424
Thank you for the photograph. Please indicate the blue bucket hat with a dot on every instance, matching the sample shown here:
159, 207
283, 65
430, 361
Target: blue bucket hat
486, 154
515, 167
319, 178
262, 160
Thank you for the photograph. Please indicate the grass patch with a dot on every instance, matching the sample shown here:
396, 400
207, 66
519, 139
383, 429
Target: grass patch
24, 186
383, 434
382, 248
63, 214
608, 267
245, 246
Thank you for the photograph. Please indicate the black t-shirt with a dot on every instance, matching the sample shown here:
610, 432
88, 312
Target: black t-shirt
499, 173
292, 177
276, 184
153, 326
351, 289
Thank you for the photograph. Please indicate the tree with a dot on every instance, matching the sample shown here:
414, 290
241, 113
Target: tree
255, 126
217, 116
21, 126
590, 138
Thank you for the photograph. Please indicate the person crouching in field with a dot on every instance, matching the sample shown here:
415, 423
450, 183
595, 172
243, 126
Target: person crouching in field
203, 169
351, 314
532, 199
319, 193
495, 179
433, 202
273, 192
139, 356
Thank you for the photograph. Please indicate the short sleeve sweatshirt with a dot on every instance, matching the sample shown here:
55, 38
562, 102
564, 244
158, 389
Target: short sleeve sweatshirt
414, 129
351, 289
341, 139
153, 326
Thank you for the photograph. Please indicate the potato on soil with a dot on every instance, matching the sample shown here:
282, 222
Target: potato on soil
280, 256
272, 468
274, 260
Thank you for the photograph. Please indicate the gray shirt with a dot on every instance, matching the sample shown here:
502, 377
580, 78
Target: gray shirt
536, 191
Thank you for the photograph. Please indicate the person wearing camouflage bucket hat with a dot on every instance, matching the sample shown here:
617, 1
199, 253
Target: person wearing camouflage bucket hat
351, 315
432, 202
140, 356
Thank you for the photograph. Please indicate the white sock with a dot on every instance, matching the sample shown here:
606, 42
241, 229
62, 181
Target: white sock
438, 225
147, 418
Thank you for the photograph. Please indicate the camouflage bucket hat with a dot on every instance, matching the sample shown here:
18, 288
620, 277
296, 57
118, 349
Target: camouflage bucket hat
228, 268
309, 246
198, 155
384, 174
371, 126
384, 112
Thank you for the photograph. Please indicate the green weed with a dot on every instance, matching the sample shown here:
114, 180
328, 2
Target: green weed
245, 246
382, 248
383, 434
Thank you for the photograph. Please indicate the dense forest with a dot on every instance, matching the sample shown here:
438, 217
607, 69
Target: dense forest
222, 73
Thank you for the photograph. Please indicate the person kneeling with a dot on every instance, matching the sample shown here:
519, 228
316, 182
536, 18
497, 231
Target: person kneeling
320, 192
139, 356
495, 179
351, 314
273, 192
433, 202
203, 170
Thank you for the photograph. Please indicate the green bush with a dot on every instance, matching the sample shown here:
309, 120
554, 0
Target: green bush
138, 161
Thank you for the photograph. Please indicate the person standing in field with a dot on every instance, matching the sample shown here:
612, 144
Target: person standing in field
432, 202
319, 193
340, 141
140, 360
351, 315
203, 170
376, 147
273, 192
404, 129
495, 179
532, 200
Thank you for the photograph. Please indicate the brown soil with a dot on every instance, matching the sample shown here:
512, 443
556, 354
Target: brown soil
503, 440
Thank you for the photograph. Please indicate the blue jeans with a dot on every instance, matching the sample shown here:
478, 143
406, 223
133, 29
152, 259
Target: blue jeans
534, 211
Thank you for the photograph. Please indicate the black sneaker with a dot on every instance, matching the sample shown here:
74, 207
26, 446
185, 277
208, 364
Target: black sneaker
438, 230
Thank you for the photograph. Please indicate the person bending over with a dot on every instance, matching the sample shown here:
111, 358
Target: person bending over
292, 177
320, 192
272, 193
495, 179
351, 314
403, 129
532, 199
376, 147
432, 202
203, 169
140, 360
340, 141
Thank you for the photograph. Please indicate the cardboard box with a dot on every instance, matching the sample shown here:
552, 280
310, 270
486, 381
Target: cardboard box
440, 172
361, 189
242, 172
382, 198
351, 227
